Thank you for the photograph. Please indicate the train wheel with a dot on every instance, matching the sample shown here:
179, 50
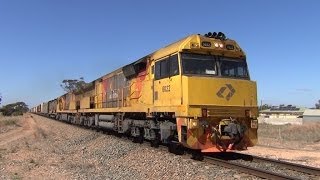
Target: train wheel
170, 148
175, 148
140, 139
155, 143
197, 155
119, 135
134, 140
137, 140
180, 150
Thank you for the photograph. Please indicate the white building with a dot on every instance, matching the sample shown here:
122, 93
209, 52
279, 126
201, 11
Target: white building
281, 115
311, 115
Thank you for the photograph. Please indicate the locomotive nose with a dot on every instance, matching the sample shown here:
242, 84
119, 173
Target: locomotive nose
220, 92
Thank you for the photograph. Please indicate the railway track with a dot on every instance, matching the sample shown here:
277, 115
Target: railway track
235, 161
246, 169
260, 166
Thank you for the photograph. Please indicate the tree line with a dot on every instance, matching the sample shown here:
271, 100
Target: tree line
14, 109
267, 106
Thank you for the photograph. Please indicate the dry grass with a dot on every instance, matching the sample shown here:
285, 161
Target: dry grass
8, 121
309, 132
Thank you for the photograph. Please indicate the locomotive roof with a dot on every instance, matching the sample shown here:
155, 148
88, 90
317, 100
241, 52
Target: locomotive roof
174, 47
165, 50
179, 45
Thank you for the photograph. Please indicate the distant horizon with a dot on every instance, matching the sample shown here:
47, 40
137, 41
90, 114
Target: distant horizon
259, 105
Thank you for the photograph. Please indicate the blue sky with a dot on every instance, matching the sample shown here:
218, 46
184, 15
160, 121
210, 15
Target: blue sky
43, 42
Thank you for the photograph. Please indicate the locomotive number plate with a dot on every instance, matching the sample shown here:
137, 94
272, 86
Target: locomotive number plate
166, 88
206, 44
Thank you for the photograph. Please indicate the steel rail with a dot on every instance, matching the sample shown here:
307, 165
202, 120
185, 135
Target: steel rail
247, 169
289, 165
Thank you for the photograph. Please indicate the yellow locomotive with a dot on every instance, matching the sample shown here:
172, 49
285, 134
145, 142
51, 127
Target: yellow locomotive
194, 93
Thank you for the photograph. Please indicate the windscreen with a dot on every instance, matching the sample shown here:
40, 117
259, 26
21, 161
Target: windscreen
200, 64
233, 68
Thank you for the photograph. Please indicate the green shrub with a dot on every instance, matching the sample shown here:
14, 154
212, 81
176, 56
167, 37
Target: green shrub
14, 109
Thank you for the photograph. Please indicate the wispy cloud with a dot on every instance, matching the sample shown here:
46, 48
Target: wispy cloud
304, 90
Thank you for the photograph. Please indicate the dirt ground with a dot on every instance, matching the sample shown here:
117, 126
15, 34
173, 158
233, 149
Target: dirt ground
292, 143
38, 148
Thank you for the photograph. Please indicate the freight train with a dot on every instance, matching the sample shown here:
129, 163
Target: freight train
193, 94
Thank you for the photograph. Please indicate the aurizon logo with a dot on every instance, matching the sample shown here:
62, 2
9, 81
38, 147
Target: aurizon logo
223, 89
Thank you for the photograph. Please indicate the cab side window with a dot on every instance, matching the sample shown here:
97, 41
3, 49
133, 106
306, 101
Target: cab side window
174, 65
157, 71
167, 67
164, 69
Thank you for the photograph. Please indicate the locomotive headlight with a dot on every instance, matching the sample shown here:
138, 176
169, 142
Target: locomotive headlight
247, 113
254, 124
221, 45
216, 44
193, 123
195, 45
204, 113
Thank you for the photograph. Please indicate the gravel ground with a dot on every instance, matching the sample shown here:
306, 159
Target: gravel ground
54, 150
277, 169
295, 145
